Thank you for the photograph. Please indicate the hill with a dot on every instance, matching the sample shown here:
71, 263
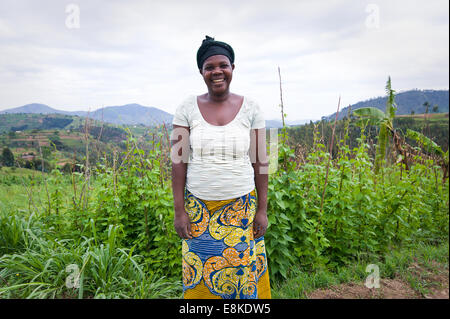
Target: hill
135, 114
37, 121
279, 124
407, 102
31, 108
132, 114
124, 114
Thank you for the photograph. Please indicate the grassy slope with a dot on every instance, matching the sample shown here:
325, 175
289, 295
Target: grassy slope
422, 267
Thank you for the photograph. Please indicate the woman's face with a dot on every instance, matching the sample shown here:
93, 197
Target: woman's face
217, 72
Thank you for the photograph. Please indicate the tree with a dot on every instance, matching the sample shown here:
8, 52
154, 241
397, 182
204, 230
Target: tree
427, 106
385, 121
435, 108
7, 157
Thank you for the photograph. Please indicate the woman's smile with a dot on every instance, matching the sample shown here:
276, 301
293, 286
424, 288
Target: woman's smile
217, 72
218, 82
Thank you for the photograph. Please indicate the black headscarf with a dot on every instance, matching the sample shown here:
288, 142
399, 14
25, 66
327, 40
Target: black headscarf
211, 47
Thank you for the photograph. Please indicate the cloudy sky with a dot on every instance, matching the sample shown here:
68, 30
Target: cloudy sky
81, 55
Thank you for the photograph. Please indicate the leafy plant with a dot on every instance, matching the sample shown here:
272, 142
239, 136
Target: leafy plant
385, 121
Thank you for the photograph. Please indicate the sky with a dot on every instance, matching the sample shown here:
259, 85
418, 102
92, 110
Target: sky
86, 54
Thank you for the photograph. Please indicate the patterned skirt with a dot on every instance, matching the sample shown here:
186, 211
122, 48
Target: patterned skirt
223, 260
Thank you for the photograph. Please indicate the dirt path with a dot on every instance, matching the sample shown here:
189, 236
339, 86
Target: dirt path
418, 282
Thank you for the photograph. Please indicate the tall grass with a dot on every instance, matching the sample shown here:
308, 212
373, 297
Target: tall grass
35, 266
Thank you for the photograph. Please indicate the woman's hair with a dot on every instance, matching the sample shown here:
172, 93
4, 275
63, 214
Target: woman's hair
211, 47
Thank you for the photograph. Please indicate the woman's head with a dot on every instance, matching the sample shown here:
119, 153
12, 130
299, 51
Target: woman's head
215, 60
211, 47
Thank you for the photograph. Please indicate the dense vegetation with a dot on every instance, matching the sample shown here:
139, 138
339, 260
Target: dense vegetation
106, 231
66, 148
434, 126
29, 121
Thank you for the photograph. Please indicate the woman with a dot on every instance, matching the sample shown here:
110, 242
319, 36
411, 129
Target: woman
218, 158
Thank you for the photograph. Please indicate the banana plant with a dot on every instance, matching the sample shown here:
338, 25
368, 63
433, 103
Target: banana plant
384, 120
427, 144
431, 147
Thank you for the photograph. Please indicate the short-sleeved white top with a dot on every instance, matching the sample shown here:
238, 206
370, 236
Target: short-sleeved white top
219, 164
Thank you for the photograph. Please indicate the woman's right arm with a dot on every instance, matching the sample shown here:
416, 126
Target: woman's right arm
179, 157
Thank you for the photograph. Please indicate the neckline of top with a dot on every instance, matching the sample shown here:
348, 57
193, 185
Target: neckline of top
244, 100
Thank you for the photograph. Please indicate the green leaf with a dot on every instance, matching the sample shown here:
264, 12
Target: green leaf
425, 142
282, 204
373, 114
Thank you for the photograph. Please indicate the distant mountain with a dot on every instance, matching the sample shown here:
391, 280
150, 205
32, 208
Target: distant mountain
125, 114
279, 124
132, 114
32, 108
407, 102
275, 124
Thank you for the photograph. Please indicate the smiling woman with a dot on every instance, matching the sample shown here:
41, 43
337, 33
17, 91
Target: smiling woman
219, 185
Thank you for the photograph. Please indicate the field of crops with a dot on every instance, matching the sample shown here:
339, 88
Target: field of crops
107, 232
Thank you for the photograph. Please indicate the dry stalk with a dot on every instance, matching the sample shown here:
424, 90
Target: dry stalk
45, 179
281, 99
85, 189
328, 166
114, 171
29, 192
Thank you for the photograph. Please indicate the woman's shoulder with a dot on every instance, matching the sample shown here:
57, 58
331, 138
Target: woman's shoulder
189, 100
254, 113
187, 104
184, 111
251, 105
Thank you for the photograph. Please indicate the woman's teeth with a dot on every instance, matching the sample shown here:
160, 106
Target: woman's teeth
217, 81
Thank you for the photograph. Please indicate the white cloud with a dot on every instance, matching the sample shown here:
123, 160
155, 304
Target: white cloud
144, 52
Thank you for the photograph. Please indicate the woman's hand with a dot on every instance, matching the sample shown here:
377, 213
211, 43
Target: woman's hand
260, 223
182, 224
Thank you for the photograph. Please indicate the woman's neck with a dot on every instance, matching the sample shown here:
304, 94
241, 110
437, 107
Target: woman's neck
215, 98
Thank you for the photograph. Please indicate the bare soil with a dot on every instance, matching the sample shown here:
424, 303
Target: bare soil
434, 279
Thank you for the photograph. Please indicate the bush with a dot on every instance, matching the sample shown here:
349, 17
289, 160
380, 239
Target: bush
7, 157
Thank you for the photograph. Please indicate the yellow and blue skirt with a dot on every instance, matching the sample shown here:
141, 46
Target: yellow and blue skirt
223, 260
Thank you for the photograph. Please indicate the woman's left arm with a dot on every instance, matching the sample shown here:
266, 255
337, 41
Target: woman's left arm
260, 165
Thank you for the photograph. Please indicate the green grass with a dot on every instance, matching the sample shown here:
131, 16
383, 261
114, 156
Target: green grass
35, 265
15, 171
13, 194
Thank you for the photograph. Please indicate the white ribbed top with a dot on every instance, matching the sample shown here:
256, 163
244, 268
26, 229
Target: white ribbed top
219, 165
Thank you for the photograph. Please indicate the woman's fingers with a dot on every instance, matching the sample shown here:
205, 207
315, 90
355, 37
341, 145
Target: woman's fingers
179, 231
182, 225
188, 234
258, 231
260, 224
184, 231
